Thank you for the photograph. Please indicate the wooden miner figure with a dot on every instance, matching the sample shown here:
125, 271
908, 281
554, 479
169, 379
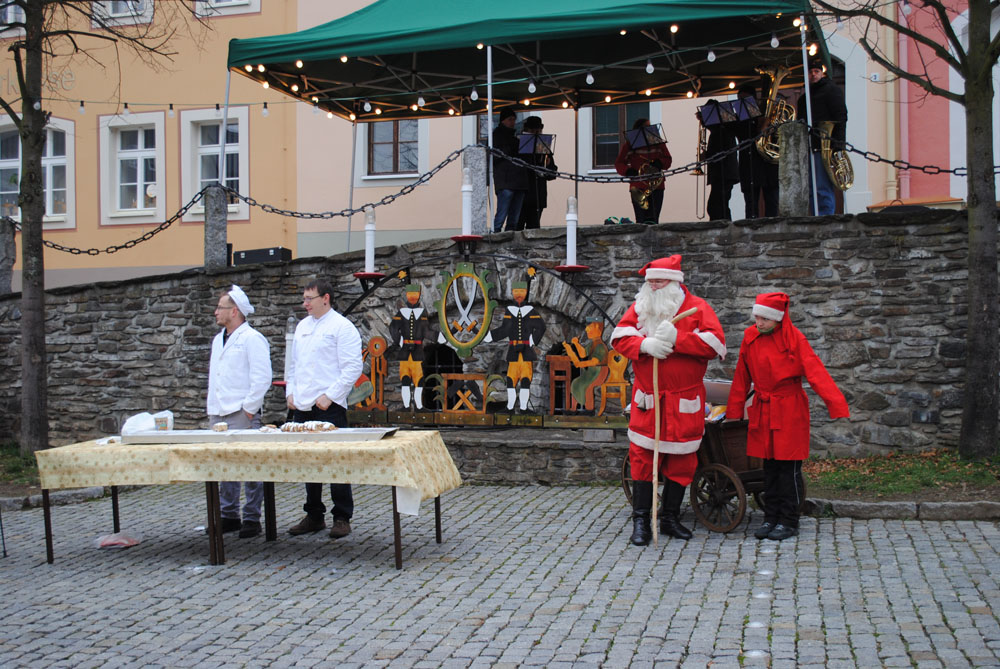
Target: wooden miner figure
523, 328
647, 333
774, 356
407, 331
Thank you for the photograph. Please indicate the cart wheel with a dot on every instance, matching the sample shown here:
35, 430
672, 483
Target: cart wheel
627, 481
758, 497
718, 498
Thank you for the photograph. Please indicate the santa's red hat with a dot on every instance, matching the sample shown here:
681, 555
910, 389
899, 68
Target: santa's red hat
773, 306
664, 268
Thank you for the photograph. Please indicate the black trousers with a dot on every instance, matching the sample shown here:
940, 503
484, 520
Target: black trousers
340, 493
783, 490
717, 206
651, 215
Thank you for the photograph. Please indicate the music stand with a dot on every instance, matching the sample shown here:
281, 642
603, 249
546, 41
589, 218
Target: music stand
715, 113
640, 138
747, 109
530, 143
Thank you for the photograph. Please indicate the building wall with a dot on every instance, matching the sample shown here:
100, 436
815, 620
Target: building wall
881, 298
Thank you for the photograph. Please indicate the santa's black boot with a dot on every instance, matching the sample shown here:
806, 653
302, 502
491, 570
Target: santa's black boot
670, 524
642, 501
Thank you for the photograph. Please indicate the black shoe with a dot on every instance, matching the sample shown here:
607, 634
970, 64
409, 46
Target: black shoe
307, 525
782, 532
250, 528
764, 529
341, 528
641, 531
671, 526
230, 525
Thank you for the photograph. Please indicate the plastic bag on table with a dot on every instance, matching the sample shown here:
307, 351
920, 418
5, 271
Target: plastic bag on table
141, 422
117, 540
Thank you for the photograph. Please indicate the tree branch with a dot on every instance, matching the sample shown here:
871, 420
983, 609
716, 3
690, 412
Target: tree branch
917, 79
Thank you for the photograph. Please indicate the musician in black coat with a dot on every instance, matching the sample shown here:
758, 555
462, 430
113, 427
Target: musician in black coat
827, 101
758, 177
536, 197
722, 174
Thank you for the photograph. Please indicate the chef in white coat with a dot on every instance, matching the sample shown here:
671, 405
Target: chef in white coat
239, 376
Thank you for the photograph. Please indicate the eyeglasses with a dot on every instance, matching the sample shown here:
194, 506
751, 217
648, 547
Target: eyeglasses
310, 298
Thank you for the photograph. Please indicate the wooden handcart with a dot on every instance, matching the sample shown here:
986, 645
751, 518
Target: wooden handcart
724, 478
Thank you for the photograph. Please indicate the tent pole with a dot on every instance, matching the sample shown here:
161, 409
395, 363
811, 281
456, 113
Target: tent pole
809, 114
489, 134
222, 132
354, 164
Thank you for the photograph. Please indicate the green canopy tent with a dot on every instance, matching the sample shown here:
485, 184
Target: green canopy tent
399, 59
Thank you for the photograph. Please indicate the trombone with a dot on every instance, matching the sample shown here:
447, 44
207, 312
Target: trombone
701, 185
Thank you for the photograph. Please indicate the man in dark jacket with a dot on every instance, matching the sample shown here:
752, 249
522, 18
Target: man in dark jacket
757, 176
509, 180
536, 198
827, 102
722, 174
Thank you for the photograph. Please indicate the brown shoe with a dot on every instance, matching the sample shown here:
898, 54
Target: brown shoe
340, 528
307, 525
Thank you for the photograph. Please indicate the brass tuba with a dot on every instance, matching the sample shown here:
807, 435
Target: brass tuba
837, 163
776, 111
641, 193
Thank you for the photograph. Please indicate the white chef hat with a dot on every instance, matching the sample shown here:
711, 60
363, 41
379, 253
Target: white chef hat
241, 300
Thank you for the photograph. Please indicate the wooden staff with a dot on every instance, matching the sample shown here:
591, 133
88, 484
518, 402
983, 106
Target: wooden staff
656, 432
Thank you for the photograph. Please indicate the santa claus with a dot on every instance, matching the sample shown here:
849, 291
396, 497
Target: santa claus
684, 349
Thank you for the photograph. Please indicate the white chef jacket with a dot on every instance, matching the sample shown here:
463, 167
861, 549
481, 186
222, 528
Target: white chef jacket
239, 374
326, 360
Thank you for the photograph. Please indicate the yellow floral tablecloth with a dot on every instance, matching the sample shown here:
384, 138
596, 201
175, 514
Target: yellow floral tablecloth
416, 462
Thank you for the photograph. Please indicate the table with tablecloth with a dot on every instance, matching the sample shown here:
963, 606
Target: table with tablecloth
415, 463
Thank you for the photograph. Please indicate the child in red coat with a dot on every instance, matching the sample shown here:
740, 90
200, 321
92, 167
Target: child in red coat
774, 356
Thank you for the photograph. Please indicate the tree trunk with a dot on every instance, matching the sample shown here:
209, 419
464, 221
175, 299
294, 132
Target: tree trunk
34, 367
981, 405
8, 255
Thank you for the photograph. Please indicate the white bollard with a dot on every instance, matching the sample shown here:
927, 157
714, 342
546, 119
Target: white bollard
290, 325
370, 240
466, 201
571, 219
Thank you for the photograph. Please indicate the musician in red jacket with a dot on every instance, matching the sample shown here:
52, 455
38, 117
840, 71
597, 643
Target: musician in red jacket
684, 350
647, 195
774, 356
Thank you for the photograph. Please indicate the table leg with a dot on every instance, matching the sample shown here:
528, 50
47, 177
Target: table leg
270, 515
437, 518
47, 512
114, 509
397, 543
216, 549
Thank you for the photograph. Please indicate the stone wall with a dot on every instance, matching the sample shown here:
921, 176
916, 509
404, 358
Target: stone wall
880, 297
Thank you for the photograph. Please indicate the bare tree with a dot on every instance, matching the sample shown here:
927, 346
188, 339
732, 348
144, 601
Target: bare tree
973, 59
47, 30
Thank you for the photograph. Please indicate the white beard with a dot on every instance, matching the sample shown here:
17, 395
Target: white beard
655, 306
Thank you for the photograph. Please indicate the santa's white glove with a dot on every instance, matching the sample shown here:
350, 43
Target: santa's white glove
656, 348
667, 332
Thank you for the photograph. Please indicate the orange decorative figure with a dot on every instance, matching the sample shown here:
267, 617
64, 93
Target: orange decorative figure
589, 360
407, 332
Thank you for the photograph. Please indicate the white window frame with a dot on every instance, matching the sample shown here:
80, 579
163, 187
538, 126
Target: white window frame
67, 220
109, 129
363, 179
5, 19
585, 146
191, 122
102, 8
213, 8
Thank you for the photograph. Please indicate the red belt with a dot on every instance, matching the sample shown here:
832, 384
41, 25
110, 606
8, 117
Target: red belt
519, 341
412, 341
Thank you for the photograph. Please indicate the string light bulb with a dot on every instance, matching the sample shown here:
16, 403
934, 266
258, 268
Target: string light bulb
260, 68
797, 22
474, 95
526, 102
38, 105
343, 59
480, 46
774, 41
265, 111
353, 116
813, 48
732, 85
649, 92
299, 64
170, 110
674, 28
266, 85
607, 98
315, 100
126, 112
649, 67
531, 86
565, 105
315, 108
907, 8
451, 111
248, 67
711, 56
378, 111
82, 110
367, 106
218, 112
329, 114
623, 32
590, 78
420, 101
690, 94
413, 107
295, 88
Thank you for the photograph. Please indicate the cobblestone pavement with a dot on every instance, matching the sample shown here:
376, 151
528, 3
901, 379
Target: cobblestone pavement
525, 576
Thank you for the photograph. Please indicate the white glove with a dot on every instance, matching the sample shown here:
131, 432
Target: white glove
667, 332
656, 347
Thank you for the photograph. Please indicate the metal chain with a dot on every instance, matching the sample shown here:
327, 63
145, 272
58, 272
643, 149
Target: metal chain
405, 190
127, 245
